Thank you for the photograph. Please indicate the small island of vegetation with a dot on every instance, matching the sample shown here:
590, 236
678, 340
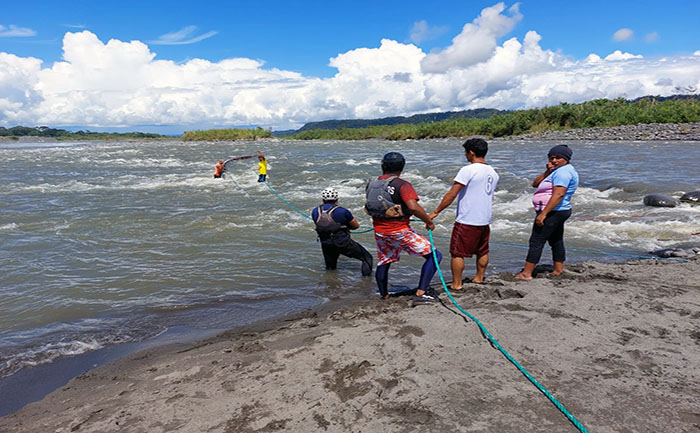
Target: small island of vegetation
226, 134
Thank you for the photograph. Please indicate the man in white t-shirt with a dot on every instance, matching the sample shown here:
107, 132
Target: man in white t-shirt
473, 187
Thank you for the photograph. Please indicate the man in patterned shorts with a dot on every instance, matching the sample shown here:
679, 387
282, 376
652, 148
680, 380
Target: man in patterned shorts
394, 233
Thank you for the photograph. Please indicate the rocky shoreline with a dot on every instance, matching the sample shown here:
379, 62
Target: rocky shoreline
639, 132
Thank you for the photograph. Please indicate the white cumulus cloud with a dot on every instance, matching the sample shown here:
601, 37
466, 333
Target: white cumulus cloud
623, 35
619, 55
117, 83
476, 42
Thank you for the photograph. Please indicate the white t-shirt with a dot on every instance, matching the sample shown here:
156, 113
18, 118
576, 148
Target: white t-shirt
474, 200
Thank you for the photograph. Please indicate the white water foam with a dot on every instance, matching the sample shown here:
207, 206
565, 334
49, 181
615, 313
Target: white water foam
8, 227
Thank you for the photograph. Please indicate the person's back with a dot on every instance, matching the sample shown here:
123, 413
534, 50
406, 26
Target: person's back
474, 187
394, 234
333, 225
474, 202
399, 192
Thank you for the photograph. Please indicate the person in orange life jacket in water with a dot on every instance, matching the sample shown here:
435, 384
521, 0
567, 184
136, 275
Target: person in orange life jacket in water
218, 169
333, 225
391, 201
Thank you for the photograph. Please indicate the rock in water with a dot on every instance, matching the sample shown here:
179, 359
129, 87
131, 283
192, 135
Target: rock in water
676, 252
691, 197
659, 200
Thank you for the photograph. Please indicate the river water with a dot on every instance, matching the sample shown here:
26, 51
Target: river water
104, 243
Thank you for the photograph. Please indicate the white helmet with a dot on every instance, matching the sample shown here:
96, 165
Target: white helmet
329, 194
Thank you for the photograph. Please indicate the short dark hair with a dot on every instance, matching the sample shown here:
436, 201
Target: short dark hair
477, 145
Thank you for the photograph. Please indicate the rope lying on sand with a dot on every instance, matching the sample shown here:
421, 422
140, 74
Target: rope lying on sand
495, 344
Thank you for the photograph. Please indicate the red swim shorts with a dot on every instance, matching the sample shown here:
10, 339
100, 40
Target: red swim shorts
469, 240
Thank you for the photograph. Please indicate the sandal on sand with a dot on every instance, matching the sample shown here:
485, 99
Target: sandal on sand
424, 299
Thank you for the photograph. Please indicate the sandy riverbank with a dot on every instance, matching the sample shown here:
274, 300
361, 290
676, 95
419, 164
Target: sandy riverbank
617, 344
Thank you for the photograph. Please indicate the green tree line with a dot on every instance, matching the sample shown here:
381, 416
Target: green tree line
226, 134
62, 134
599, 112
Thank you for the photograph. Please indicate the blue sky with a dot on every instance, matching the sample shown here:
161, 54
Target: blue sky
299, 39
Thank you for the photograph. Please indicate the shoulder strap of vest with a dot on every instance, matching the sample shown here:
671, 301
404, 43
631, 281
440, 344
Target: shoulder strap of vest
329, 211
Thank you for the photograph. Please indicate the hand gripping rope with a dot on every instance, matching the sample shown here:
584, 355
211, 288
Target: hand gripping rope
495, 344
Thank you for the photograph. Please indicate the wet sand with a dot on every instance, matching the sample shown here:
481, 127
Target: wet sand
617, 344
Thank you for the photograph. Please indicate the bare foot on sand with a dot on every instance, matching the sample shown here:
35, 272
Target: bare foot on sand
522, 276
456, 288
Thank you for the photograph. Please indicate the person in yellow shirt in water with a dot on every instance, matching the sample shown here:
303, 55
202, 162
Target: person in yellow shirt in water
262, 167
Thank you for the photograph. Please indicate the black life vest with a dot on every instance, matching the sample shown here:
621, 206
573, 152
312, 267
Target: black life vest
384, 199
328, 229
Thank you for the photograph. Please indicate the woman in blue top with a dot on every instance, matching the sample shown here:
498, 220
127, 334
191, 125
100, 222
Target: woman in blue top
552, 202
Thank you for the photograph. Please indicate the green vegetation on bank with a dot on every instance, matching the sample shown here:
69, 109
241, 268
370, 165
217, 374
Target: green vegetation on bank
226, 134
599, 112
61, 134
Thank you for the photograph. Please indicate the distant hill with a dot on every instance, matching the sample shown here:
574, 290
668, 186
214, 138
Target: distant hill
479, 113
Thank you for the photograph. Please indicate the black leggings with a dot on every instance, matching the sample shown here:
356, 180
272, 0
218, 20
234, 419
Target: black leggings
551, 231
426, 273
349, 248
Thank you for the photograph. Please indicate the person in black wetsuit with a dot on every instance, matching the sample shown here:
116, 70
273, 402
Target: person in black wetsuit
333, 225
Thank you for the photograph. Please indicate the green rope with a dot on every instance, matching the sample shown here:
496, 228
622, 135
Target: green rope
302, 213
495, 344
237, 185
285, 201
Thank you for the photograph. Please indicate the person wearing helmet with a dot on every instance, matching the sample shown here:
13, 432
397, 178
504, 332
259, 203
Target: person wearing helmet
391, 201
333, 225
